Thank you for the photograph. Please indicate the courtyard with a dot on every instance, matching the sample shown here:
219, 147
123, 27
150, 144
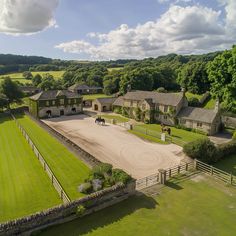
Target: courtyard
114, 145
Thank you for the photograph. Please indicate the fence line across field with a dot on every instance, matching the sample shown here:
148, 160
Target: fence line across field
55, 182
215, 172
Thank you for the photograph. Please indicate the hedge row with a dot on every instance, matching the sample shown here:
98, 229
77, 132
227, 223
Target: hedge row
206, 151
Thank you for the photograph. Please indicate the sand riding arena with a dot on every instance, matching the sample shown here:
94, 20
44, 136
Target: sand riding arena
113, 144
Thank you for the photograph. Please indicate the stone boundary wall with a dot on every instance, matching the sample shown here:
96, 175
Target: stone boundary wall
67, 212
229, 121
89, 159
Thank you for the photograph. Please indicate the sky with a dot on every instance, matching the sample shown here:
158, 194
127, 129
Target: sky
115, 29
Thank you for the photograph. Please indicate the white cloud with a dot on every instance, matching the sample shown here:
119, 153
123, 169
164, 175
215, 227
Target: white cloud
190, 29
26, 16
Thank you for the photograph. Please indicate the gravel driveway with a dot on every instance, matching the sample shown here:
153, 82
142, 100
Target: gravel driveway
114, 145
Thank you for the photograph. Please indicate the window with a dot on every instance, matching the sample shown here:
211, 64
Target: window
53, 103
75, 100
131, 103
69, 101
61, 101
165, 108
47, 103
199, 124
165, 117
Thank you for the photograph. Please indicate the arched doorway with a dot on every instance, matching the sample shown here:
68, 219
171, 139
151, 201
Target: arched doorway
95, 107
73, 110
49, 113
62, 112
104, 108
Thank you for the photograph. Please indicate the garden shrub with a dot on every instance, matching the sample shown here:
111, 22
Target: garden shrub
118, 110
80, 210
202, 149
99, 170
86, 188
120, 176
97, 184
234, 135
227, 149
194, 102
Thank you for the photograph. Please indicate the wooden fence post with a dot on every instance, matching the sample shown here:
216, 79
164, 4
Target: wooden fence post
231, 179
186, 167
178, 169
195, 164
162, 174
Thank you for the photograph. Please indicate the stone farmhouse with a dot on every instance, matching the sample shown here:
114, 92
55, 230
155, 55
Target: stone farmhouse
103, 104
55, 103
169, 109
85, 89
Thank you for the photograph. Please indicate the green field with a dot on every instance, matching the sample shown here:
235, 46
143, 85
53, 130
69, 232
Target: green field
210, 104
191, 95
199, 207
24, 186
19, 77
179, 136
95, 96
115, 68
69, 170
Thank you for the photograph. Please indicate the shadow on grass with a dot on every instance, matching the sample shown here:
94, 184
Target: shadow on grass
102, 218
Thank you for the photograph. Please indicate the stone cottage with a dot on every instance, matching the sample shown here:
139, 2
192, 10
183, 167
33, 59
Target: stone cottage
169, 109
55, 103
103, 104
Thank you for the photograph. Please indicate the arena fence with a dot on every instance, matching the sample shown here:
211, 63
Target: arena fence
55, 182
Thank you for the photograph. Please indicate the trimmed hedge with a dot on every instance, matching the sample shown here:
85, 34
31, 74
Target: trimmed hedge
206, 151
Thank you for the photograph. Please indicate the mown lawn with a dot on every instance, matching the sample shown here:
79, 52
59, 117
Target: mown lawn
24, 186
147, 137
69, 170
119, 119
228, 164
192, 95
210, 104
179, 136
198, 207
95, 96
19, 76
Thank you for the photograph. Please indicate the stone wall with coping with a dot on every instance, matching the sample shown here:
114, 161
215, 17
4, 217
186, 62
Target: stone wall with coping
67, 212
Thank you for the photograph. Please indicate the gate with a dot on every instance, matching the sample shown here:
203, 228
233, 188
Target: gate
147, 181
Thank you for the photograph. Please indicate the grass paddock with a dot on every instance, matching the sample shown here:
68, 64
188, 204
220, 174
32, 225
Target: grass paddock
69, 169
24, 186
199, 207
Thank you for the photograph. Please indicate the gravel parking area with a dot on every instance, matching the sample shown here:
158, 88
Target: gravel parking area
113, 144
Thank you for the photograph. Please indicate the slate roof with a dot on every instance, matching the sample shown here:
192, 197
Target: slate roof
105, 100
83, 87
172, 99
197, 114
119, 101
29, 88
53, 94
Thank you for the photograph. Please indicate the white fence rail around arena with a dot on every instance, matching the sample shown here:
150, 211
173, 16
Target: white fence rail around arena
64, 197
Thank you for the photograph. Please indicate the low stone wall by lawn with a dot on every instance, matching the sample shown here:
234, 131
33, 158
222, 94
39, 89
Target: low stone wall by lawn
68, 212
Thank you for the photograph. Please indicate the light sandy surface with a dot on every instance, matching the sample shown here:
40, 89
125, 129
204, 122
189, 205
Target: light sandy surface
114, 145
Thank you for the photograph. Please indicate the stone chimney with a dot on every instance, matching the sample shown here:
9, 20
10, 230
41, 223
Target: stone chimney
183, 91
217, 106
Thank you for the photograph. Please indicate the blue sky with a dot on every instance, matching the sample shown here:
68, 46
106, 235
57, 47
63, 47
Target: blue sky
60, 28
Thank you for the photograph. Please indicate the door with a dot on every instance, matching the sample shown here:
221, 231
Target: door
61, 112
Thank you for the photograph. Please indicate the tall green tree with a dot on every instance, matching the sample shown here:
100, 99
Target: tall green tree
3, 101
11, 90
222, 74
193, 76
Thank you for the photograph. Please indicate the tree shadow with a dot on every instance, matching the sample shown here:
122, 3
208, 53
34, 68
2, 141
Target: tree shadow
102, 218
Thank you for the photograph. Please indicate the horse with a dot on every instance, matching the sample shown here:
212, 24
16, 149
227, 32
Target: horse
163, 129
100, 121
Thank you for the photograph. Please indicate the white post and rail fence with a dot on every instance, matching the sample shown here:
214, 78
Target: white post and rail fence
164, 175
55, 182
